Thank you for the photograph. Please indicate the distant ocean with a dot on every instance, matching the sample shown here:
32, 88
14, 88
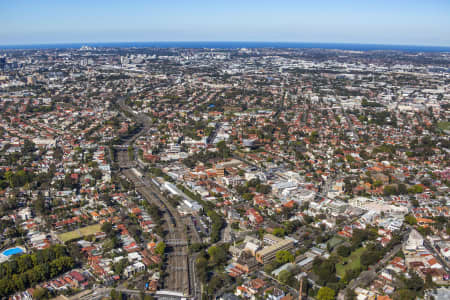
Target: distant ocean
234, 45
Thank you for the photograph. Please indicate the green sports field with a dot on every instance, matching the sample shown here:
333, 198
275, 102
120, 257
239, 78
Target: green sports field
444, 125
79, 233
353, 262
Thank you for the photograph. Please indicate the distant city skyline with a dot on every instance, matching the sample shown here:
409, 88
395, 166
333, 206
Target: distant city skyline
367, 22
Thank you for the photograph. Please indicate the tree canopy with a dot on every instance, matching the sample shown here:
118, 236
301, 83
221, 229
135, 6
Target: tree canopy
325, 293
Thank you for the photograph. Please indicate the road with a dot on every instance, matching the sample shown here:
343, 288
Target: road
350, 124
437, 255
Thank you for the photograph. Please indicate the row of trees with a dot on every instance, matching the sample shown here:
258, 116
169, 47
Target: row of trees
208, 262
223, 152
15, 179
217, 224
253, 184
22, 272
412, 287
203, 156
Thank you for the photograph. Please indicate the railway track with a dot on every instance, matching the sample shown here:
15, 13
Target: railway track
177, 257
180, 267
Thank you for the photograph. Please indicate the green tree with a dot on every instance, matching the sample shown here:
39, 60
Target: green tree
215, 283
285, 276
360, 236
113, 294
402, 189
283, 257
202, 268
196, 247
410, 219
349, 275
414, 282
28, 147
40, 293
130, 151
217, 224
344, 251
416, 189
223, 149
8, 176
369, 257
425, 231
325, 293
107, 228
291, 227
160, 248
119, 267
390, 190
279, 232
39, 205
218, 255
97, 174
326, 270
313, 137
404, 294
25, 262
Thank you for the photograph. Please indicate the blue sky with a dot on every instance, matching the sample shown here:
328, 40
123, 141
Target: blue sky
413, 22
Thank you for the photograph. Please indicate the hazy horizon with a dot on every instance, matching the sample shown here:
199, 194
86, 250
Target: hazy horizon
381, 22
232, 45
220, 41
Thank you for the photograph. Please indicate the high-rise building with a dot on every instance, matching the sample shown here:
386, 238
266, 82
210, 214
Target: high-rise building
2, 63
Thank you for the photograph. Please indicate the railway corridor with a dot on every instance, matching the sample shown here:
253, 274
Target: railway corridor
177, 265
180, 267
177, 244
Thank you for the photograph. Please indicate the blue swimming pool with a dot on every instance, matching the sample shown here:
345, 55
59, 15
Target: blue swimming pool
12, 251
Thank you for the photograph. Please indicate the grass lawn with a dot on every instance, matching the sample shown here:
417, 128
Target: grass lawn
335, 241
444, 125
78, 233
353, 262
